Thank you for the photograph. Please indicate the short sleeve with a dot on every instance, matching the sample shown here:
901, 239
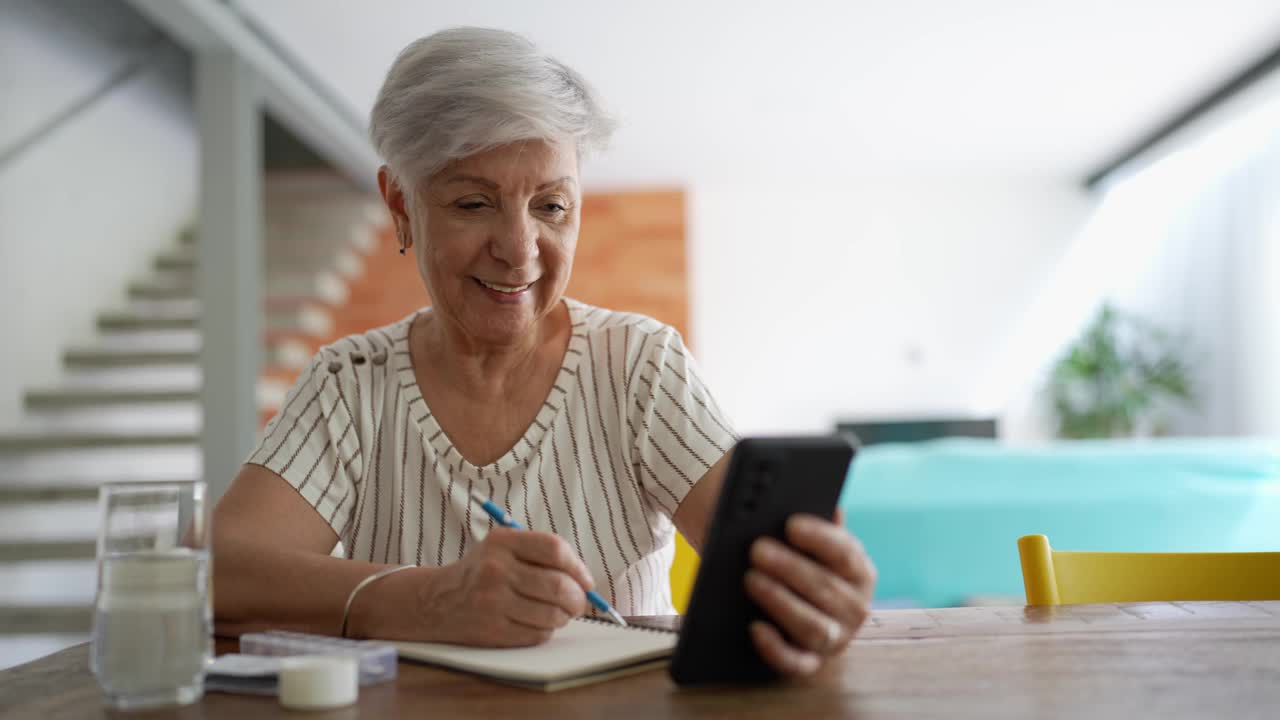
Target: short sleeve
679, 431
313, 444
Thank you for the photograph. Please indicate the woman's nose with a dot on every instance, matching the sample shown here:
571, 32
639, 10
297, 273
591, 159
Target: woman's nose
516, 241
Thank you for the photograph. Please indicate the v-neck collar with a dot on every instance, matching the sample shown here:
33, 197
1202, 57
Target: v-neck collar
527, 446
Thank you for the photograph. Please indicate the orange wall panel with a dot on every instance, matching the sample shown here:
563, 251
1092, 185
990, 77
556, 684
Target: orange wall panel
632, 255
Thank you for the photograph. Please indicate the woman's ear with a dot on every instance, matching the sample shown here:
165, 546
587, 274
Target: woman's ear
393, 197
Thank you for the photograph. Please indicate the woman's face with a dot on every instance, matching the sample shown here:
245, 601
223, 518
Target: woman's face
495, 237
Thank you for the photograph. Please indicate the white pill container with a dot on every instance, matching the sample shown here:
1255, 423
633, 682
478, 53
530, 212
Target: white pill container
318, 682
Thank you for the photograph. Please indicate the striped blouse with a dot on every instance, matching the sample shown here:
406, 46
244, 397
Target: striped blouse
625, 432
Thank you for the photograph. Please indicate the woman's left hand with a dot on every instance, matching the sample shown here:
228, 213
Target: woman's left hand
816, 590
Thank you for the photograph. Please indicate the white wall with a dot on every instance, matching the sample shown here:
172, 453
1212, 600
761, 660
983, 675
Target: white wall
1187, 237
85, 210
865, 298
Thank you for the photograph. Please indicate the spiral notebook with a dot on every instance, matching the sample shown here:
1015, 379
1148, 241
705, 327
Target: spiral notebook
585, 651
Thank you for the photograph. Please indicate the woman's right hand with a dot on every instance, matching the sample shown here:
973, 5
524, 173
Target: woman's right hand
514, 588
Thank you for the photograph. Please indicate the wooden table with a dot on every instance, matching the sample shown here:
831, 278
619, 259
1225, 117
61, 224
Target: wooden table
1160, 660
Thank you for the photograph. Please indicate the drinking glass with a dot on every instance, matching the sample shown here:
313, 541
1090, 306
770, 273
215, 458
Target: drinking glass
152, 620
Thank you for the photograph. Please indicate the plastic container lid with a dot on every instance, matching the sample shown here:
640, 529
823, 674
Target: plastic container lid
377, 659
314, 682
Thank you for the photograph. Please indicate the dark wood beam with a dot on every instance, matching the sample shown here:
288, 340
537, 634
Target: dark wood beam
1254, 72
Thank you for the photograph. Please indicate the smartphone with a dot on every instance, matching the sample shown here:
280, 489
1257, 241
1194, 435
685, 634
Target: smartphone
768, 481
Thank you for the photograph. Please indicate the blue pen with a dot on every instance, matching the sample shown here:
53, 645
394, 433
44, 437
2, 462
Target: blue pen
503, 518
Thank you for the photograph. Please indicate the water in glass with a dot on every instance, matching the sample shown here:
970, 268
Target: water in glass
152, 625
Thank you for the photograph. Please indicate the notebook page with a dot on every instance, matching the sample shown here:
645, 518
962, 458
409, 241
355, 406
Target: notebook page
579, 648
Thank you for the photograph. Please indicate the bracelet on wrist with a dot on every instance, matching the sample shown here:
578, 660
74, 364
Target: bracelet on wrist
346, 612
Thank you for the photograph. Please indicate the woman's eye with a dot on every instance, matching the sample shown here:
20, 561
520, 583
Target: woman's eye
554, 207
472, 205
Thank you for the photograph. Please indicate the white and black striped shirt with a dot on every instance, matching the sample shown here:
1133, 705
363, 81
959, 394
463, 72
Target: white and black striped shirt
626, 431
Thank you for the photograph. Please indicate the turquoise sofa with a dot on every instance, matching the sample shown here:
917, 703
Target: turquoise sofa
941, 518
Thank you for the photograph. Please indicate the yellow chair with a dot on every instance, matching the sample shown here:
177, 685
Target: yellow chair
1055, 577
683, 570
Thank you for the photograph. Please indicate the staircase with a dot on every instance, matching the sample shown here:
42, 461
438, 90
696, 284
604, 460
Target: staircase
128, 405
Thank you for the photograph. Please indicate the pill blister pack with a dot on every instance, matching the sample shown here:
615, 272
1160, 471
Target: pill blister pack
377, 660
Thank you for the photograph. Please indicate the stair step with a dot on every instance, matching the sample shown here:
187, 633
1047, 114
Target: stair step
47, 597
133, 376
311, 256
133, 319
57, 489
46, 550
273, 386
50, 583
305, 318
161, 339
179, 284
46, 492
46, 619
105, 388
53, 398
346, 261
132, 409
57, 532
142, 417
44, 531
162, 290
306, 234
324, 285
95, 357
57, 521
90, 464
179, 259
25, 647
293, 353
165, 307
92, 401
27, 440
165, 366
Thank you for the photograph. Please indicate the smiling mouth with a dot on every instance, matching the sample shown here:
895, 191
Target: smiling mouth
506, 289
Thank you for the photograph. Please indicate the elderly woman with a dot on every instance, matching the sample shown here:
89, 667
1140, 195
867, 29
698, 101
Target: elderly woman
592, 427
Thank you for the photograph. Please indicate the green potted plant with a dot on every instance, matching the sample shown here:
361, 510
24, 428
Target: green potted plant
1119, 379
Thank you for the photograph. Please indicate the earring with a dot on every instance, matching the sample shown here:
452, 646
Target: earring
400, 237
401, 249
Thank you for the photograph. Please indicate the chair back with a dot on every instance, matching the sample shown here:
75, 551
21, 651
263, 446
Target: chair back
1056, 577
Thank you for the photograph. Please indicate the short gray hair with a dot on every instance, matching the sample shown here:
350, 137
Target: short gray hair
464, 90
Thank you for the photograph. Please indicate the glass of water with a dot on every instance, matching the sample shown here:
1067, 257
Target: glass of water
152, 619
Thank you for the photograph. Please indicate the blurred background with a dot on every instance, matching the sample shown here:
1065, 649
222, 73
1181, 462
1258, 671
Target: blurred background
1028, 252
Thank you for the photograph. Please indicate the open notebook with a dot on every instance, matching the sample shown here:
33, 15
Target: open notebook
587, 650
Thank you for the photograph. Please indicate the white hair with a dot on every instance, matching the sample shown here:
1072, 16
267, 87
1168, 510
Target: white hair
464, 90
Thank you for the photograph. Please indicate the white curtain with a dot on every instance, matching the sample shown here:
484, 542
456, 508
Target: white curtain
1215, 279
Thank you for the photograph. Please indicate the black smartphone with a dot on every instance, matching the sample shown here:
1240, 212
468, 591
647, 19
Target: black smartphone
768, 481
